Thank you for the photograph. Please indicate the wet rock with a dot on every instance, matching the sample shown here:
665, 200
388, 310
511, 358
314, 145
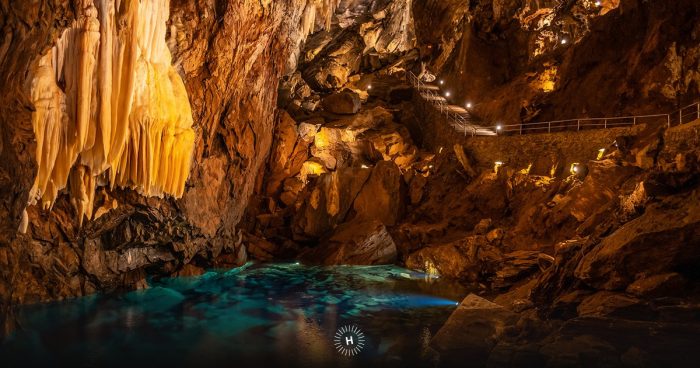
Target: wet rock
472, 331
189, 270
469, 259
668, 284
358, 242
343, 102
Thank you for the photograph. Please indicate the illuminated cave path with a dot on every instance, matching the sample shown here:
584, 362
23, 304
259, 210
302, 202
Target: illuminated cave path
462, 121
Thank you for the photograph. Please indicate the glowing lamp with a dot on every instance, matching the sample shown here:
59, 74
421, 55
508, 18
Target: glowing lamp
447, 94
369, 87
496, 166
601, 152
364, 166
575, 169
442, 82
469, 105
499, 127
598, 3
564, 41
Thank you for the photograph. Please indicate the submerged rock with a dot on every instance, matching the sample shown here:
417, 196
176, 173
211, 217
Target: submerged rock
472, 330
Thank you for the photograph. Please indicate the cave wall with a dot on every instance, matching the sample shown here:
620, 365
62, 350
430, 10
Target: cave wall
543, 151
230, 56
507, 58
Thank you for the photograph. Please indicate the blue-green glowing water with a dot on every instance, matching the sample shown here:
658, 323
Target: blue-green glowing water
258, 315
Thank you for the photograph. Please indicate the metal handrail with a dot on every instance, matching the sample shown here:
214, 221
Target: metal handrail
677, 117
440, 103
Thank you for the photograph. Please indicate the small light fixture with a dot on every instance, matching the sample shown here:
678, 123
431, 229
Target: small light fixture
496, 166
469, 105
430, 166
440, 151
499, 127
575, 168
447, 94
564, 41
598, 3
442, 82
601, 152
364, 166
369, 87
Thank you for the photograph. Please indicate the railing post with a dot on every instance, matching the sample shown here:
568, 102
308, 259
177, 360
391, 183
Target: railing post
605, 123
521, 128
578, 125
634, 121
549, 127
668, 120
680, 116
698, 110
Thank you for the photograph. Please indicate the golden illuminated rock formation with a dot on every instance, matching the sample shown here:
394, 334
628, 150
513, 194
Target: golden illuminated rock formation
110, 108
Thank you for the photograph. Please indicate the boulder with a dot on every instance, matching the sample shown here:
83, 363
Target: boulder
515, 267
328, 202
357, 243
665, 238
330, 66
611, 304
344, 102
472, 331
468, 259
381, 198
668, 284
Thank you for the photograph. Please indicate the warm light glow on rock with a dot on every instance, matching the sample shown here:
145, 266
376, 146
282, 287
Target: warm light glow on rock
546, 81
107, 100
310, 168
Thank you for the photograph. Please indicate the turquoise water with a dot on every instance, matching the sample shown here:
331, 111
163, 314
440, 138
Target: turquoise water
256, 315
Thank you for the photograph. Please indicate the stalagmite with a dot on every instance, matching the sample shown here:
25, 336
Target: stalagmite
109, 103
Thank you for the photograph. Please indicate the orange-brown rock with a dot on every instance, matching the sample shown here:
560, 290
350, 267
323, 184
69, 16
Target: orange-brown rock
344, 102
358, 242
382, 196
666, 237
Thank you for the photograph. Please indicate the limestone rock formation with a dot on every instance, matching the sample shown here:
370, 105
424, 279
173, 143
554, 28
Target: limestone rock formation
135, 92
358, 242
343, 102
472, 330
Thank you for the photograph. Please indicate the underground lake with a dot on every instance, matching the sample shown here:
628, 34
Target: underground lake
256, 315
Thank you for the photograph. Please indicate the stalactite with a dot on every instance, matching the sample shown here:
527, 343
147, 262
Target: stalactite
108, 102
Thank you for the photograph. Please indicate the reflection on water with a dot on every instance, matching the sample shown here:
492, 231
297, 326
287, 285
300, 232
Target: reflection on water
282, 314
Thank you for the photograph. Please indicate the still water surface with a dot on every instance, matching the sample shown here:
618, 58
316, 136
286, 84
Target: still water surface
253, 316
